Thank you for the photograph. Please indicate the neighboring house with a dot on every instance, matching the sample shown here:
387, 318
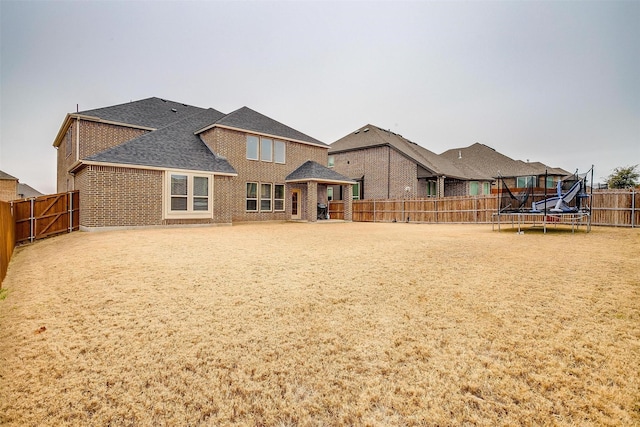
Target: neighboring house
480, 159
156, 162
26, 192
12, 189
8, 187
387, 166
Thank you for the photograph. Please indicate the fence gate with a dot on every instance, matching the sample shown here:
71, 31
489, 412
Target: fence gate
45, 216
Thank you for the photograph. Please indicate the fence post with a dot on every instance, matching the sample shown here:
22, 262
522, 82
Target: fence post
32, 221
633, 207
70, 210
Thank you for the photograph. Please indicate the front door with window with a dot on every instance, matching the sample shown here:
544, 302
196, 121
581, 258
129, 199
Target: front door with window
295, 204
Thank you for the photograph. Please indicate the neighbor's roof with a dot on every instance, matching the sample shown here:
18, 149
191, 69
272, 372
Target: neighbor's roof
249, 120
487, 161
4, 175
314, 171
25, 191
175, 146
373, 136
149, 113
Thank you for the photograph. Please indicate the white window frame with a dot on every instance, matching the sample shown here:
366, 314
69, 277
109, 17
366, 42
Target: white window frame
329, 193
190, 212
331, 161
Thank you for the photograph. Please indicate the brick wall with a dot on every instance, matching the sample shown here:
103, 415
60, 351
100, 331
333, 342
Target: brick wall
232, 145
94, 138
119, 197
8, 189
387, 173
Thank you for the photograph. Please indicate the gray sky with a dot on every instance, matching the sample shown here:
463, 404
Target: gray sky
555, 82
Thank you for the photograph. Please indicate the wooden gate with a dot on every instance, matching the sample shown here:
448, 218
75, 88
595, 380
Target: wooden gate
46, 216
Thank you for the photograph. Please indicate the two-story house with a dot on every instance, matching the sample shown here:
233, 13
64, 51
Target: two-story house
156, 162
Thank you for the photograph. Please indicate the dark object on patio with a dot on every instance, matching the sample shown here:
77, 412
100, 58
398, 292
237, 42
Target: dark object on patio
323, 212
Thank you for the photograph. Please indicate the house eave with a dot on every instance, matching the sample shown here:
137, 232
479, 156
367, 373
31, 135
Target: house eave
318, 180
258, 133
80, 164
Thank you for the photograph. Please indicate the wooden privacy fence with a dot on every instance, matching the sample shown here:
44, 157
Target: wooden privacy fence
46, 216
611, 207
7, 238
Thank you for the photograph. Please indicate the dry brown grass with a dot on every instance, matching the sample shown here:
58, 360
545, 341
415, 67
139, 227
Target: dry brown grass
328, 324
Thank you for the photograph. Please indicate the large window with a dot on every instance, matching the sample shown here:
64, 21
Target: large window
525, 181
266, 149
189, 195
270, 197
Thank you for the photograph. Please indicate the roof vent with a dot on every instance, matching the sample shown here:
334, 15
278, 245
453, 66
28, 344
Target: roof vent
174, 110
357, 132
366, 130
459, 154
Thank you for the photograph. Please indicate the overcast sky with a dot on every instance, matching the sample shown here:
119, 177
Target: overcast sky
555, 82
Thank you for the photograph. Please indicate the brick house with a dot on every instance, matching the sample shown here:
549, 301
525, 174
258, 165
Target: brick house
482, 160
156, 162
8, 187
387, 166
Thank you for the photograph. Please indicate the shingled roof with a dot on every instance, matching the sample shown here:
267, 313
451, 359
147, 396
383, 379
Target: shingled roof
174, 146
314, 171
152, 113
373, 136
490, 163
247, 119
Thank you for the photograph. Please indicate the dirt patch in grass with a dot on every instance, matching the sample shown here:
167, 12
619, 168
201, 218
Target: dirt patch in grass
326, 324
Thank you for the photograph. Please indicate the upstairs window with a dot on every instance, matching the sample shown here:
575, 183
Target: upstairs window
279, 152
266, 150
331, 161
252, 147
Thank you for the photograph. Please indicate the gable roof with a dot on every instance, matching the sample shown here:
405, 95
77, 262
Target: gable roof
148, 113
370, 136
489, 162
174, 147
314, 171
249, 120
4, 175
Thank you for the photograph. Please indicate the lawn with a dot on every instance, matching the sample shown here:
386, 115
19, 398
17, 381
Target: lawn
294, 324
